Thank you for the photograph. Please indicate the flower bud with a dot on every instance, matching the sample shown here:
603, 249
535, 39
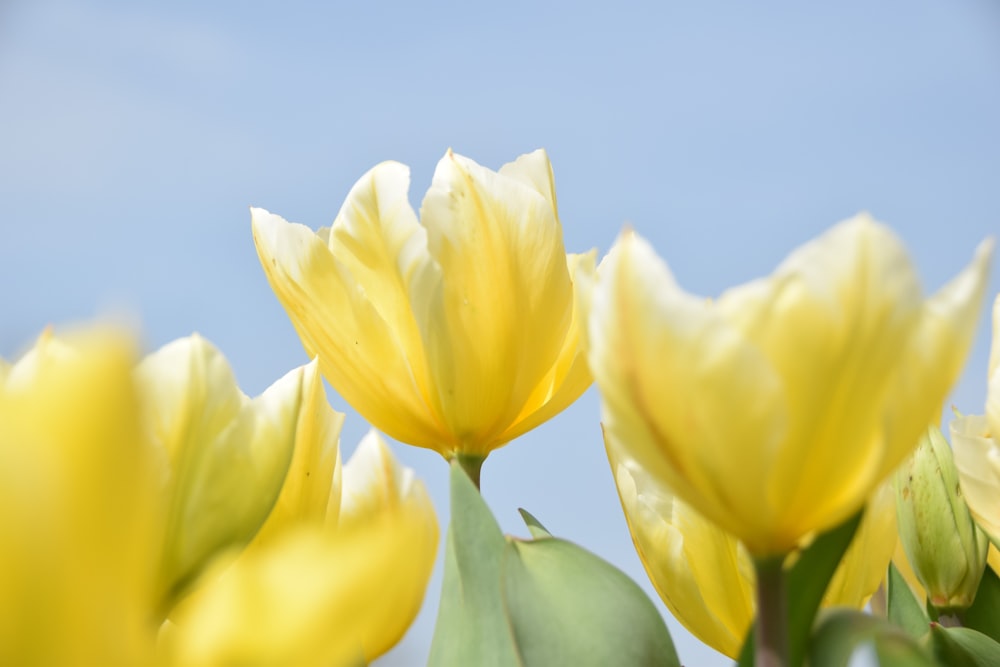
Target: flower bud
942, 542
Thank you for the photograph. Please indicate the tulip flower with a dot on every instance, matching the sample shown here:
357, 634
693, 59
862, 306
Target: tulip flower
224, 455
976, 439
776, 410
339, 594
77, 547
706, 577
943, 544
456, 332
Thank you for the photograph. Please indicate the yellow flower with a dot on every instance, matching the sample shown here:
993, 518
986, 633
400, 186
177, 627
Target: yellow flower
976, 442
457, 332
320, 595
77, 547
706, 577
776, 410
224, 456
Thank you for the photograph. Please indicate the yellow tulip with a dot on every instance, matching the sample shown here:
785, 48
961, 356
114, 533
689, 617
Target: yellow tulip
224, 456
320, 595
706, 577
457, 332
976, 442
776, 410
77, 492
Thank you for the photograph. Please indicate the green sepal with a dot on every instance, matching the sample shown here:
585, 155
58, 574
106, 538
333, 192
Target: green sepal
805, 584
472, 627
962, 647
842, 632
570, 607
904, 609
984, 614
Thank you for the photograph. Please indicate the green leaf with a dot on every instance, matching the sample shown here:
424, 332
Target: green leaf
570, 607
535, 526
805, 584
963, 647
904, 609
843, 631
472, 627
984, 614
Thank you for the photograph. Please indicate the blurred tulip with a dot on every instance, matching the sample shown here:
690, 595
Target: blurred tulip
77, 495
976, 440
320, 595
458, 332
706, 577
944, 546
224, 456
777, 410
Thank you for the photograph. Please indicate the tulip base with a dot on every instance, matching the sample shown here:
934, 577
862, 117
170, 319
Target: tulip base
771, 640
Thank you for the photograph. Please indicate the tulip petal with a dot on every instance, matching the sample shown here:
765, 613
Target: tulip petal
360, 353
316, 596
227, 456
670, 371
311, 490
831, 320
702, 574
570, 375
499, 312
993, 392
78, 511
977, 457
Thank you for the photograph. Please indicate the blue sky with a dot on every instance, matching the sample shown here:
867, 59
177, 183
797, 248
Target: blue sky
134, 136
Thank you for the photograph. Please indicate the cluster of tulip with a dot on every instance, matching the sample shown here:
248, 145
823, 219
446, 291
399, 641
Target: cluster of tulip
764, 445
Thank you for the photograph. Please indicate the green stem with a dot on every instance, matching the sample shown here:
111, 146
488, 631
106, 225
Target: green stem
771, 641
472, 465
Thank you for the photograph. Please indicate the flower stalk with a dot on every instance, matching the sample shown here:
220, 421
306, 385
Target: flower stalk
771, 634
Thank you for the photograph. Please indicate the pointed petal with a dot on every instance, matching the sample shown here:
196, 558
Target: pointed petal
361, 355
534, 170
670, 371
501, 308
226, 456
837, 309
570, 376
993, 391
365, 581
311, 490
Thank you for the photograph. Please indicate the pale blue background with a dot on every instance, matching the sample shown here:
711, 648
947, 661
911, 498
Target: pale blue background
133, 137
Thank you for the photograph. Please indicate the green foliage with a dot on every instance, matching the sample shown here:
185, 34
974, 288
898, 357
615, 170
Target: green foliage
903, 609
536, 602
984, 614
842, 632
962, 647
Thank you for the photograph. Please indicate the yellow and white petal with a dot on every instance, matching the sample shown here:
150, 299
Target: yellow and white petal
311, 489
977, 457
863, 567
534, 170
993, 391
360, 352
702, 574
227, 456
499, 314
570, 375
316, 596
671, 371
833, 321
78, 509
